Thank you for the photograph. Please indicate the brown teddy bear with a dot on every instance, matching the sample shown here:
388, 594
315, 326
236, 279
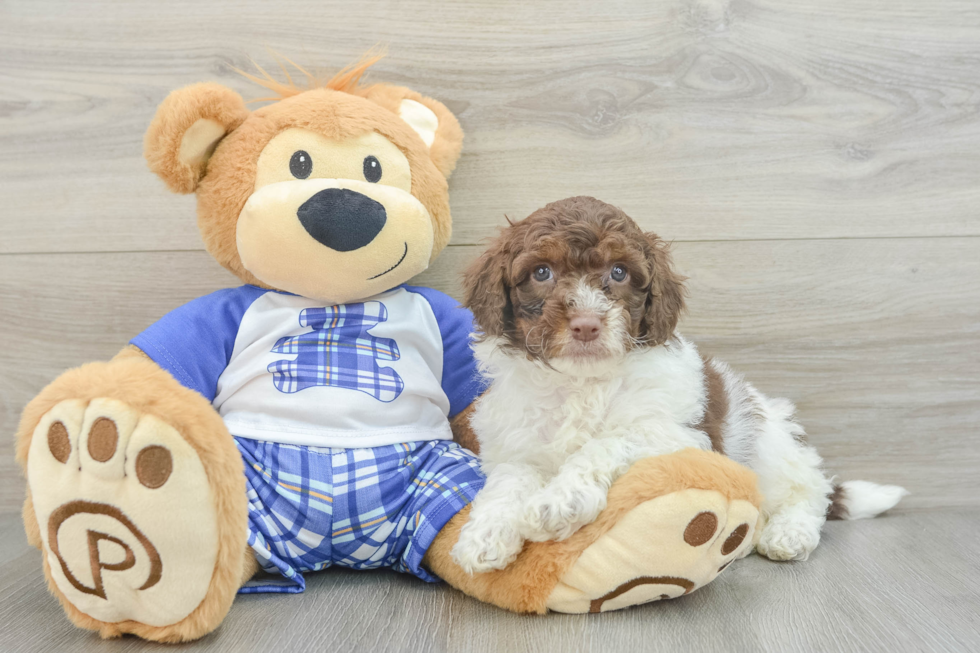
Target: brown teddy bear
306, 419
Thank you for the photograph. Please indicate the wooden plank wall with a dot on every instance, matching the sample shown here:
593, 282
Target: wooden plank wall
815, 163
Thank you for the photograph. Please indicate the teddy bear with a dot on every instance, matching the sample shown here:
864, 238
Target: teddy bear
315, 415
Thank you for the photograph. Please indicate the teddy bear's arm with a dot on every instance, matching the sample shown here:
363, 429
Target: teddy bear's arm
461, 379
130, 351
195, 341
463, 433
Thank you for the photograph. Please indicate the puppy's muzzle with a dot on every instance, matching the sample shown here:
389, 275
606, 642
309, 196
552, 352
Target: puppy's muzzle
585, 328
342, 219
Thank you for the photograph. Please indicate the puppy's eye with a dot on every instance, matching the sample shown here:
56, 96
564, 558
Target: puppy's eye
372, 169
542, 273
618, 273
301, 165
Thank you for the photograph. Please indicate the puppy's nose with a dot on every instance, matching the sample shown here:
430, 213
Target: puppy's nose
342, 219
585, 327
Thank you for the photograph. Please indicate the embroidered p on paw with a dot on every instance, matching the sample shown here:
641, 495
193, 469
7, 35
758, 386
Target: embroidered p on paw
339, 352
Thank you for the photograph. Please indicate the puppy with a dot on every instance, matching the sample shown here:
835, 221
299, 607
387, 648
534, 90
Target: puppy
577, 311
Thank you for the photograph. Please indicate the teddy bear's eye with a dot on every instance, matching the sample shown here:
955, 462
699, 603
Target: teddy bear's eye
372, 169
301, 165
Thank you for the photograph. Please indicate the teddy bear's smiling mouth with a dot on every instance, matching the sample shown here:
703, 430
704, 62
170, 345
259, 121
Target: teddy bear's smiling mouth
404, 254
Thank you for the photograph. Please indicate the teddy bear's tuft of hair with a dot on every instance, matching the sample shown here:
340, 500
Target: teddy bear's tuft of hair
348, 80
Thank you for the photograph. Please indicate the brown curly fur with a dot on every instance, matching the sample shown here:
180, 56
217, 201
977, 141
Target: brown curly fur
580, 238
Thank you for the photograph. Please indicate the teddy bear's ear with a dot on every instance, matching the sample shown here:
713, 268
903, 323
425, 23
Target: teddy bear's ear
185, 130
431, 120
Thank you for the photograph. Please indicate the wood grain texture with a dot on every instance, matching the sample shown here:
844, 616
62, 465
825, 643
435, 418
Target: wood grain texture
709, 119
874, 340
870, 586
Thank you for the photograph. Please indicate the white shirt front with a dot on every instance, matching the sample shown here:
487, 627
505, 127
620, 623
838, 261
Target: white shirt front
363, 374
331, 415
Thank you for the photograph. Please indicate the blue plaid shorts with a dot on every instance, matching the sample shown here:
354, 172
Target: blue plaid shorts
310, 507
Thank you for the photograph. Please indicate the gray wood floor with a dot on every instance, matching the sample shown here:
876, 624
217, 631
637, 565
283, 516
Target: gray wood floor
903, 583
816, 163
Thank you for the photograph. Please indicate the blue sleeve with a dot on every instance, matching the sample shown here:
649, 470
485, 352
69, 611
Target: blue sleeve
461, 381
194, 342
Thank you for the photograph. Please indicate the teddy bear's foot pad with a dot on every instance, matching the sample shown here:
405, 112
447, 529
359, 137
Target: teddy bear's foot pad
663, 548
125, 510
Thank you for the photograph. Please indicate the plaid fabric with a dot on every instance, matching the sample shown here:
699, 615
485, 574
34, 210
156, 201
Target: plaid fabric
339, 352
310, 507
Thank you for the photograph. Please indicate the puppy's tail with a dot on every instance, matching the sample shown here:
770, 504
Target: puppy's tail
862, 499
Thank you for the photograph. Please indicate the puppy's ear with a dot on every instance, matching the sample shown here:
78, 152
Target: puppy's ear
665, 298
187, 127
430, 119
486, 292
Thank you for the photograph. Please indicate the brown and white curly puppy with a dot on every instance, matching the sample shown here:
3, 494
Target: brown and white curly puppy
577, 310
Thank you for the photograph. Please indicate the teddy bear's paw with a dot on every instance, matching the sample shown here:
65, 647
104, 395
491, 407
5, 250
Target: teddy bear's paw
556, 512
790, 535
485, 545
662, 548
125, 510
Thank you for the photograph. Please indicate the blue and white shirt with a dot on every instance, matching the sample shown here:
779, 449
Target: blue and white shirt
283, 368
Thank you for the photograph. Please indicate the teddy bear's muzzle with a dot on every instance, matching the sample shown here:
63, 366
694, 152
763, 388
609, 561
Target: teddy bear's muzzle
342, 219
336, 240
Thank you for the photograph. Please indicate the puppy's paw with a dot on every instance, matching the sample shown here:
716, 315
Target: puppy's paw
555, 513
790, 535
484, 546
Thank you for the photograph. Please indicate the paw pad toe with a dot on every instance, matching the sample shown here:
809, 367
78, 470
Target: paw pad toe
59, 443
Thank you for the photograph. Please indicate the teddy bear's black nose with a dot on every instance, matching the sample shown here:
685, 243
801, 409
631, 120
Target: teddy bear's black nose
342, 219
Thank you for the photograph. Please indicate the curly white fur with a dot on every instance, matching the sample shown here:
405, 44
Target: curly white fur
554, 438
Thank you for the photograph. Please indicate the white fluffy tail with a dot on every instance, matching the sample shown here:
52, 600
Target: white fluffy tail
863, 499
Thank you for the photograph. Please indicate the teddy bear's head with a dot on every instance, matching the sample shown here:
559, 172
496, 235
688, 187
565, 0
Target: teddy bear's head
335, 193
